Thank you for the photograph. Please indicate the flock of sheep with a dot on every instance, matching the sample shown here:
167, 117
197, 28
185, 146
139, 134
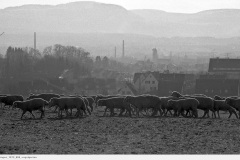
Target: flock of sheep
147, 105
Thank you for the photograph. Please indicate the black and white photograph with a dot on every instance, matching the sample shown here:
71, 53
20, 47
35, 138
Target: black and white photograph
119, 78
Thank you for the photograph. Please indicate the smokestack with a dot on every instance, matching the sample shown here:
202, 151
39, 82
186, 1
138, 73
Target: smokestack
35, 41
115, 53
123, 49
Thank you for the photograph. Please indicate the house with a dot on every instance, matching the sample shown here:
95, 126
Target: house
225, 66
138, 81
221, 87
150, 83
158, 83
127, 89
222, 79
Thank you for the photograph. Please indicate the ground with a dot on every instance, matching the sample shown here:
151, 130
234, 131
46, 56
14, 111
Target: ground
96, 134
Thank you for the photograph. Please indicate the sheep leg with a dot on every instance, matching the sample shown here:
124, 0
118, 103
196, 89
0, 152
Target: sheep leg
230, 112
32, 114
182, 113
235, 113
218, 114
91, 107
105, 112
112, 112
42, 113
23, 113
77, 113
205, 112
188, 112
129, 111
121, 112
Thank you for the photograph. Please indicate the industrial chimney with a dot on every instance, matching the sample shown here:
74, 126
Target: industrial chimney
35, 42
115, 52
123, 49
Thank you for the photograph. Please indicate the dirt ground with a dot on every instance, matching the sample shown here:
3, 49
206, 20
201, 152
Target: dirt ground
96, 134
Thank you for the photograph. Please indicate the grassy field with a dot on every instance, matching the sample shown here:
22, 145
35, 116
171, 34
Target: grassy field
96, 134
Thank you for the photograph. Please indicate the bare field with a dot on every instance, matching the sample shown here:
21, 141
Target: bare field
117, 135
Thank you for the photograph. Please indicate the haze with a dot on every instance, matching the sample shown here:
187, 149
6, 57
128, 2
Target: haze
179, 6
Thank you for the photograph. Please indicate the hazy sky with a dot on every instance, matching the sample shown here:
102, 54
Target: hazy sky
181, 6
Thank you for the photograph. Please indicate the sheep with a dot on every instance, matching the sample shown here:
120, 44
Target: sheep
205, 103
85, 101
31, 105
45, 96
98, 97
10, 99
145, 102
221, 105
115, 102
65, 103
235, 103
90, 102
164, 104
181, 105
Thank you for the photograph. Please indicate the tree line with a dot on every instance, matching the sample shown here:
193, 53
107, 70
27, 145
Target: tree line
52, 61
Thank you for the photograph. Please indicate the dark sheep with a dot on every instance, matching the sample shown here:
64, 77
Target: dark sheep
235, 103
31, 105
85, 101
115, 102
65, 103
205, 103
164, 104
98, 97
221, 105
145, 102
181, 105
9, 100
176, 94
45, 96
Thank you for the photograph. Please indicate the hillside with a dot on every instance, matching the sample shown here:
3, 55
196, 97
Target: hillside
92, 17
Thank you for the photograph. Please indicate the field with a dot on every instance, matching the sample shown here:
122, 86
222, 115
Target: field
96, 134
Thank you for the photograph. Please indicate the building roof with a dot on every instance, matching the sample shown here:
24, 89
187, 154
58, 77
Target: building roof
131, 87
224, 65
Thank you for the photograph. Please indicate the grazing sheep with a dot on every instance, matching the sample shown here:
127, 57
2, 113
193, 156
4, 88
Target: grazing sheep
65, 103
181, 105
115, 102
164, 104
235, 103
85, 101
98, 97
145, 102
31, 105
45, 96
10, 99
221, 105
205, 103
